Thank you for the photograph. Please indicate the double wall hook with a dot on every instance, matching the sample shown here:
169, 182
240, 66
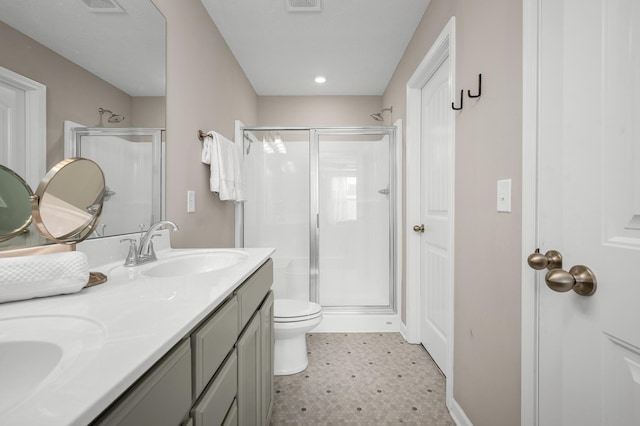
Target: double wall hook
479, 88
453, 104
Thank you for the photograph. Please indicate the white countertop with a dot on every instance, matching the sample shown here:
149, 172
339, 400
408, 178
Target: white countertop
132, 323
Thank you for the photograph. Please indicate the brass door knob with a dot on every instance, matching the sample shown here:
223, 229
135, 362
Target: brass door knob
580, 279
418, 228
550, 260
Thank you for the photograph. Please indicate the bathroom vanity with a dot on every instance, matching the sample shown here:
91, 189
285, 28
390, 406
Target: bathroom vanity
221, 373
172, 348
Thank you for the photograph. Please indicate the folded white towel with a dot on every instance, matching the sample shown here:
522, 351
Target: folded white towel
42, 275
225, 161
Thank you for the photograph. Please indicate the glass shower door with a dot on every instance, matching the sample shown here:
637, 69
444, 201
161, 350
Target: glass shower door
353, 234
276, 213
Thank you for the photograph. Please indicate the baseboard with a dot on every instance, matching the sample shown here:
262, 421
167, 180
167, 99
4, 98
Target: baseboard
458, 415
365, 323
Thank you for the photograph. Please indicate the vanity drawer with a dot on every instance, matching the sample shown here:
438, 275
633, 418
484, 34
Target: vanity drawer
213, 407
161, 397
211, 344
252, 292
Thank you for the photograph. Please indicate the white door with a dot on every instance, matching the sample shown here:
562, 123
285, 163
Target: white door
12, 129
23, 126
589, 210
436, 195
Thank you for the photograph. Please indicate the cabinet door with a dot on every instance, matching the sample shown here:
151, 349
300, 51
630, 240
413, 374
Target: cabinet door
253, 290
249, 373
161, 397
266, 336
211, 343
232, 416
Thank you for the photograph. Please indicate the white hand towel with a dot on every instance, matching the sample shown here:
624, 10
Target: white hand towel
211, 156
225, 167
42, 275
239, 172
206, 150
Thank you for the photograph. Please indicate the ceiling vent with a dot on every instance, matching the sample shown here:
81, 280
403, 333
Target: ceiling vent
103, 6
303, 5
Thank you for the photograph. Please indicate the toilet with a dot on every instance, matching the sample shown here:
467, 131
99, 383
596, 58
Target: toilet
291, 320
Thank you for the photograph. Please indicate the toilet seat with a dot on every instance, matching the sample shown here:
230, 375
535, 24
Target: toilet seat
289, 310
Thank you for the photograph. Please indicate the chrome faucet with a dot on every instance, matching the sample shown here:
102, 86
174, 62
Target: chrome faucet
146, 253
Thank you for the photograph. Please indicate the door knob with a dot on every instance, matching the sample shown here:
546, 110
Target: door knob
418, 228
550, 260
580, 279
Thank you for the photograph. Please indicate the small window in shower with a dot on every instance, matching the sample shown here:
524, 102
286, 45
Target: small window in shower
344, 193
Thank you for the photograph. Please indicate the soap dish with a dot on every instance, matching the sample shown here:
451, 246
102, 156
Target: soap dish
96, 278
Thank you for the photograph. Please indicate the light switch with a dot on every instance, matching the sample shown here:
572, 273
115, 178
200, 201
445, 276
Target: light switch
504, 196
191, 201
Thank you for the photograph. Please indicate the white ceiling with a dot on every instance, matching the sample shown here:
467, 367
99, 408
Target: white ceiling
125, 49
356, 44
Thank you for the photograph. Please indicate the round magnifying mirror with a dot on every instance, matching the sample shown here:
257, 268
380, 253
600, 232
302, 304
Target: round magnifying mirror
68, 202
15, 207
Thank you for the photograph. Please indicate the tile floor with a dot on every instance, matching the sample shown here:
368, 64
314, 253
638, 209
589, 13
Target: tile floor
362, 379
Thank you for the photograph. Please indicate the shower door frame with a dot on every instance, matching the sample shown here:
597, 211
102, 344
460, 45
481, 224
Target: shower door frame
314, 232
73, 148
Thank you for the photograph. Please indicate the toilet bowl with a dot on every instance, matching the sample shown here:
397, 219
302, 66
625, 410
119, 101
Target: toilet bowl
291, 320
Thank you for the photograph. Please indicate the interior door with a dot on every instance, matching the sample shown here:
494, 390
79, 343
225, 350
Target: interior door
12, 129
436, 193
589, 210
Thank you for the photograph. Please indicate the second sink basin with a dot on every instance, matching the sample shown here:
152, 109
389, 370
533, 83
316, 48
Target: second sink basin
35, 350
190, 264
183, 264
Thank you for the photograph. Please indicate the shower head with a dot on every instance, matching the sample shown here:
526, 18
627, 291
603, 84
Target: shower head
378, 115
114, 118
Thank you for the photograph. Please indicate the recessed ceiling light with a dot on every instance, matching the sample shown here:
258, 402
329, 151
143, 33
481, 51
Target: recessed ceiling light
320, 79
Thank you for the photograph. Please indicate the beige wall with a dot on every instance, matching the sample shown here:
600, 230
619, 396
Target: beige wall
487, 244
319, 110
207, 90
148, 111
72, 92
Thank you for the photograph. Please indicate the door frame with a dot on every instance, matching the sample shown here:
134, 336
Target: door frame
529, 285
35, 123
442, 48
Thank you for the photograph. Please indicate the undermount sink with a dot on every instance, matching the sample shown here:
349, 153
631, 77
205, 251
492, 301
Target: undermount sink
178, 264
34, 349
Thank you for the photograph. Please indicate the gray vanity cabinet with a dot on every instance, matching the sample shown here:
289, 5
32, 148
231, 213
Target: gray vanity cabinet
220, 374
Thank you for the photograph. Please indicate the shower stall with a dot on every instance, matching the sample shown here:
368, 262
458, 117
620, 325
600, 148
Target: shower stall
325, 199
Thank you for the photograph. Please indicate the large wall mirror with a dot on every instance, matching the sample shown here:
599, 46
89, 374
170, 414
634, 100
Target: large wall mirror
101, 64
